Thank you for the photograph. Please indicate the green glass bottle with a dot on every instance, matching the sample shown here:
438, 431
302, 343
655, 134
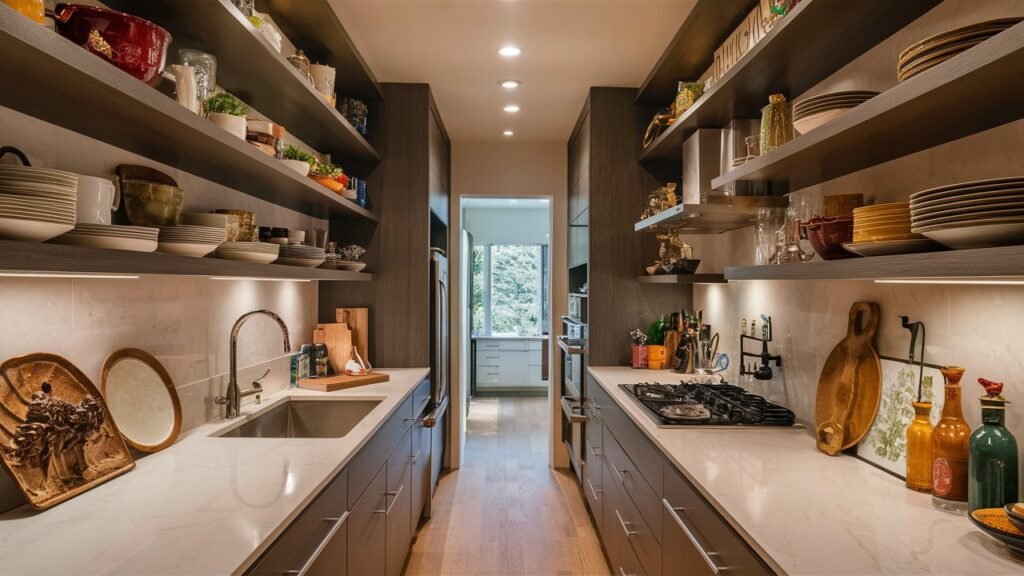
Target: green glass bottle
992, 479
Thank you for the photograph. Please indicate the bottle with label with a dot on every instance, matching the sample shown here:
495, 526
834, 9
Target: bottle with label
992, 481
950, 449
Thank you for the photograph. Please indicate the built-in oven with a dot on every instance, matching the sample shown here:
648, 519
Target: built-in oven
573, 345
578, 307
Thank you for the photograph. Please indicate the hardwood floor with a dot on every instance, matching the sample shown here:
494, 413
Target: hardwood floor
505, 511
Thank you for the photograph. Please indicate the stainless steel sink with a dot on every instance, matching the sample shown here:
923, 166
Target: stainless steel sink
305, 419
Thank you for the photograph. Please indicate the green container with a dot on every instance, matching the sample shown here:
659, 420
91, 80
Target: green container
992, 478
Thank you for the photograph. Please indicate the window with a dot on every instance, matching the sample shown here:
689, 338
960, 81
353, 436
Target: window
510, 290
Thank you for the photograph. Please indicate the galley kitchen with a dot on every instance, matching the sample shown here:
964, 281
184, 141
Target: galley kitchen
493, 287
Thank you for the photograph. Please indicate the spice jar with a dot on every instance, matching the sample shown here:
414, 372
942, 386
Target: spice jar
776, 123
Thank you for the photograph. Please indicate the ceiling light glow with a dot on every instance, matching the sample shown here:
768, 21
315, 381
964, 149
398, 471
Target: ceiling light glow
511, 108
508, 133
509, 84
510, 51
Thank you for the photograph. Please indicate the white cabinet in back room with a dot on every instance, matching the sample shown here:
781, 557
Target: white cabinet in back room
513, 364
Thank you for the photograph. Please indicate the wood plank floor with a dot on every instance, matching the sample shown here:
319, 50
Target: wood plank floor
505, 511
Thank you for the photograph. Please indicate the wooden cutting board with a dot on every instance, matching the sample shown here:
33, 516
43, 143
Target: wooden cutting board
338, 339
850, 386
358, 321
332, 383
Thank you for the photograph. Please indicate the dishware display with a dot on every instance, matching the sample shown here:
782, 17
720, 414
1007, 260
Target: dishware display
891, 247
810, 113
204, 68
58, 437
257, 252
98, 198
111, 237
977, 214
151, 204
938, 48
142, 399
776, 123
996, 523
194, 241
246, 225
36, 204
828, 236
880, 222
136, 46
297, 255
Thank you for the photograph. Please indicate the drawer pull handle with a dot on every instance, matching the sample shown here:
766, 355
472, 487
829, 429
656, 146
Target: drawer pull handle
625, 525
596, 493
394, 495
416, 456
707, 556
622, 572
621, 473
338, 523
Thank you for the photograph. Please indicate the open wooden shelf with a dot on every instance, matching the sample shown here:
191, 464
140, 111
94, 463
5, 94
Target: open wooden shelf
314, 25
250, 68
978, 264
30, 257
710, 218
805, 47
57, 81
682, 279
692, 50
972, 92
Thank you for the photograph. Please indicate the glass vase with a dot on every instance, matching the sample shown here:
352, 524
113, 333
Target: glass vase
919, 449
951, 448
992, 476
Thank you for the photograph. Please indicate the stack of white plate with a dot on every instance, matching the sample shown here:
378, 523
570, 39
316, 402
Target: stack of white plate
112, 237
257, 252
296, 236
309, 256
934, 50
978, 214
816, 111
36, 204
194, 241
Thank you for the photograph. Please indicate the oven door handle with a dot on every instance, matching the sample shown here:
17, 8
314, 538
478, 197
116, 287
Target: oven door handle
563, 343
567, 407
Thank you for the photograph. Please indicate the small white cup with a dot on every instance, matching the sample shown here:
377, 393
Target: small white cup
97, 199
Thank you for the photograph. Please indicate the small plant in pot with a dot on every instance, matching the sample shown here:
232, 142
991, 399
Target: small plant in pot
228, 112
639, 356
656, 352
330, 176
298, 159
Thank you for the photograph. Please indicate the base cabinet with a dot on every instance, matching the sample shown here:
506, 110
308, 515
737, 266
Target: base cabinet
367, 534
399, 510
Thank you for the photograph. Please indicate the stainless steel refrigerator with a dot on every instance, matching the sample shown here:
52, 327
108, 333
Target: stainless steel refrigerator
439, 367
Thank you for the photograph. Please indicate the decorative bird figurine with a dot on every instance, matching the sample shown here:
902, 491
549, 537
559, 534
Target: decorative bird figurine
991, 388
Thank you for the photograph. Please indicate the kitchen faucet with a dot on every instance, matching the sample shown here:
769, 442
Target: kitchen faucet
233, 399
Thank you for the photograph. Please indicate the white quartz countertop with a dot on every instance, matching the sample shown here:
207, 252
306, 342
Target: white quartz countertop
206, 505
808, 513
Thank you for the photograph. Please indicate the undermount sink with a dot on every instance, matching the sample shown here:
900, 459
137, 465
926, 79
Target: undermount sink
305, 419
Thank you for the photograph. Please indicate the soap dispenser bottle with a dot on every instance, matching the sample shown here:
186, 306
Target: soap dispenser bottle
992, 482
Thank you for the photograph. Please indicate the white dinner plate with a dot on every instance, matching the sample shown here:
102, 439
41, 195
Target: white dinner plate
255, 257
987, 184
31, 230
185, 249
107, 242
305, 262
808, 123
979, 236
890, 247
968, 216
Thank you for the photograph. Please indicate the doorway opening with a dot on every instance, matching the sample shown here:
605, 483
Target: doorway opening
506, 264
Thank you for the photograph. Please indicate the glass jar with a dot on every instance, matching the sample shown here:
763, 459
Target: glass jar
686, 94
205, 66
992, 474
776, 123
919, 448
766, 224
951, 448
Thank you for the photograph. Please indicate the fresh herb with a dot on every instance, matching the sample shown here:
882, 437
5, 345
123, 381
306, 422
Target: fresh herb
224, 103
293, 152
656, 332
327, 170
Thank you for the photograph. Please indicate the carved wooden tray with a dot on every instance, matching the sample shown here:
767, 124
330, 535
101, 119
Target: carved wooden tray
57, 438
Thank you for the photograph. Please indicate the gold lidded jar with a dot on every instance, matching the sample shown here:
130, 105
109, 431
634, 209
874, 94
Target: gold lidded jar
686, 94
776, 123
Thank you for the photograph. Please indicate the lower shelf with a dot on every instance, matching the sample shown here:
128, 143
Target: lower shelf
32, 258
973, 265
682, 279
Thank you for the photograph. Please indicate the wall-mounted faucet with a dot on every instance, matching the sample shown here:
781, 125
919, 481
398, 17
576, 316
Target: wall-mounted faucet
764, 370
232, 400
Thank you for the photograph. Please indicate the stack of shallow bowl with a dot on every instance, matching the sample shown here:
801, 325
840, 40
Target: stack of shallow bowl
256, 252
979, 214
36, 204
816, 111
884, 229
111, 237
297, 255
936, 49
194, 241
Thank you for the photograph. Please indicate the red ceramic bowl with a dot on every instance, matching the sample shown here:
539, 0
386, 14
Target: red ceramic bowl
827, 236
134, 45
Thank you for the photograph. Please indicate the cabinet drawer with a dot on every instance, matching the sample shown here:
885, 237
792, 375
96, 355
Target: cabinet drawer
367, 534
487, 376
645, 456
633, 484
376, 452
421, 397
695, 535
399, 510
624, 560
592, 480
534, 377
320, 522
420, 471
535, 345
508, 345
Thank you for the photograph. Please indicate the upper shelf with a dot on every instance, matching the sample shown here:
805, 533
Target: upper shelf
692, 50
30, 257
972, 92
250, 68
806, 46
57, 81
976, 264
315, 25
710, 218
682, 279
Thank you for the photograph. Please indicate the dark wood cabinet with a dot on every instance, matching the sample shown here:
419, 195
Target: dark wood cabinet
367, 529
440, 167
399, 510
421, 453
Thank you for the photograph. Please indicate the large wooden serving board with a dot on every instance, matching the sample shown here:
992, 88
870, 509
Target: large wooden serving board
341, 382
57, 438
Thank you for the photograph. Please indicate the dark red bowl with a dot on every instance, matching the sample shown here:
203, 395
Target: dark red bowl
827, 236
133, 44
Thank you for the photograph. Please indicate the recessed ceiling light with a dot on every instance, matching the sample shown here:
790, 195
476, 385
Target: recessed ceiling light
509, 84
510, 51
508, 133
511, 108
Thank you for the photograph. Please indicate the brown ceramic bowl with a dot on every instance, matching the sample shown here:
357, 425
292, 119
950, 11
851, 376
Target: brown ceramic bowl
827, 236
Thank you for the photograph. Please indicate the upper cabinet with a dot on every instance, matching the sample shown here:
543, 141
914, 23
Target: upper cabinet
440, 167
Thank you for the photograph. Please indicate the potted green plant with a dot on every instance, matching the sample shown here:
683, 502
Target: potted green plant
656, 353
298, 159
228, 112
639, 356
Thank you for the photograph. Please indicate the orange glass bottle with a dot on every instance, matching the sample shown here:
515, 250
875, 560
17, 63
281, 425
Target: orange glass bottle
919, 449
951, 443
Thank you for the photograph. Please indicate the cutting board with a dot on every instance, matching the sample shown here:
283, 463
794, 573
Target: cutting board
338, 339
358, 320
332, 383
850, 386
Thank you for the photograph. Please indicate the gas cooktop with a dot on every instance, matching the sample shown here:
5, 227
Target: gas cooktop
697, 404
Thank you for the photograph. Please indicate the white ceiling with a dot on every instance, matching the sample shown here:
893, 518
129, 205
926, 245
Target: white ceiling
567, 47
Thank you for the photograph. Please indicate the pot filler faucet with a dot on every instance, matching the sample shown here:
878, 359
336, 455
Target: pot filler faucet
233, 399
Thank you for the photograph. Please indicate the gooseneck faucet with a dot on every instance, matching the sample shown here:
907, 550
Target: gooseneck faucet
232, 401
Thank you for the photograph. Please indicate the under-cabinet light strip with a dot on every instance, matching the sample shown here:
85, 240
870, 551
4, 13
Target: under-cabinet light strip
261, 279
74, 276
1010, 281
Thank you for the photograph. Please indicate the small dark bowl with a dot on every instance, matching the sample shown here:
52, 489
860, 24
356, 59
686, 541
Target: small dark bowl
1017, 519
680, 266
278, 232
266, 233
827, 236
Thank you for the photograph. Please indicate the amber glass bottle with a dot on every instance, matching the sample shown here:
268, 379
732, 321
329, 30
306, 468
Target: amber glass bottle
919, 449
950, 449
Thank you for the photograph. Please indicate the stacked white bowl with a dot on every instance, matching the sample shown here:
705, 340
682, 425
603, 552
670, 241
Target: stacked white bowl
36, 204
297, 255
257, 252
194, 241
